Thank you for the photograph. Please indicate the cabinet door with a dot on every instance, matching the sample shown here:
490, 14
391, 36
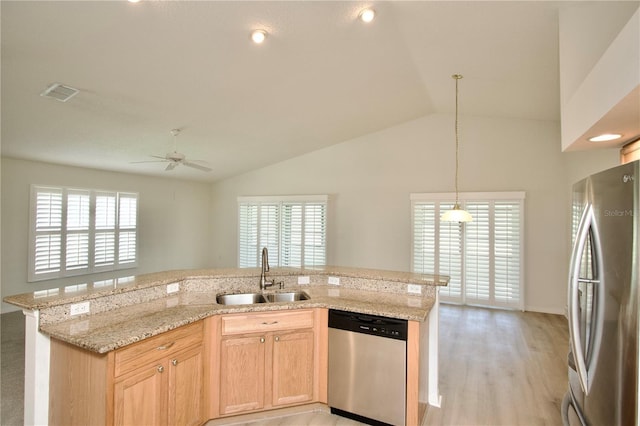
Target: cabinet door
139, 397
242, 360
292, 367
185, 388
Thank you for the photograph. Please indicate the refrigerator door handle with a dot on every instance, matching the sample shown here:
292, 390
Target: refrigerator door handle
582, 236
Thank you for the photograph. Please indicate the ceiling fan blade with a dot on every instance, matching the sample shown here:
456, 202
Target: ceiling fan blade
171, 166
196, 166
160, 160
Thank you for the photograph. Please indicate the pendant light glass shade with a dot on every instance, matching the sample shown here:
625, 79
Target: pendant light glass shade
457, 214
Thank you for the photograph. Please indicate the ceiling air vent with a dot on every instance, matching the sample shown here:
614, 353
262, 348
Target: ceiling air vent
59, 92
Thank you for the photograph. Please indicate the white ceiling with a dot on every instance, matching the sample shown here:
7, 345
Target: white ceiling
321, 77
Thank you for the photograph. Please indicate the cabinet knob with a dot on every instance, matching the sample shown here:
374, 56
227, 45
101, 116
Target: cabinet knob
277, 339
174, 362
262, 340
160, 369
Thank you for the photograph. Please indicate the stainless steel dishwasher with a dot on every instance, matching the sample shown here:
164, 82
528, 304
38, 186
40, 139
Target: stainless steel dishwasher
367, 367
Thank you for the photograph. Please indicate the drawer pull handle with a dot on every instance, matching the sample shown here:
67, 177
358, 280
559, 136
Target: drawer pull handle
262, 340
269, 323
165, 347
277, 339
174, 362
160, 369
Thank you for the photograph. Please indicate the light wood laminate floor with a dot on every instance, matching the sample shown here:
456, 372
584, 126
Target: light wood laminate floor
496, 368
500, 367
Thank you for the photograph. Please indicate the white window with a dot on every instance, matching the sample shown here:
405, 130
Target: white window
81, 231
484, 258
294, 230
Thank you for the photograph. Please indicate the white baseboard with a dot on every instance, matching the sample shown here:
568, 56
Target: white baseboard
546, 310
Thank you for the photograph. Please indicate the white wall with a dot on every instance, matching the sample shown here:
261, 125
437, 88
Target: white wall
599, 88
370, 178
173, 221
586, 30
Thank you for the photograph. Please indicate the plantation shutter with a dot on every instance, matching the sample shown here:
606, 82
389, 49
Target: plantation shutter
269, 231
477, 272
424, 237
292, 228
77, 227
315, 234
248, 233
483, 258
450, 253
78, 231
507, 252
105, 235
127, 228
292, 225
46, 250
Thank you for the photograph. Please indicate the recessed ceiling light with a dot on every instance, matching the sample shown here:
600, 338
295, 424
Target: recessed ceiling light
367, 15
258, 36
605, 137
133, 1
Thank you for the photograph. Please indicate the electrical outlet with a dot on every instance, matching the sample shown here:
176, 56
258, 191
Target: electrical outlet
173, 288
79, 308
303, 280
414, 288
334, 280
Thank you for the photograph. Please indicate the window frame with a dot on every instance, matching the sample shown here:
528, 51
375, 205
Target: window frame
277, 248
466, 198
85, 233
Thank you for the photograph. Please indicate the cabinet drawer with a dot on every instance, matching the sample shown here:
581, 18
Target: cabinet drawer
138, 354
265, 322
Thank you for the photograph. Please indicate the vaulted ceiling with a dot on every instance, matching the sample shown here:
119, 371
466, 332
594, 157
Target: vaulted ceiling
320, 78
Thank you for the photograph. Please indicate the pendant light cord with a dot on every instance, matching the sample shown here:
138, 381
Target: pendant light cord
456, 77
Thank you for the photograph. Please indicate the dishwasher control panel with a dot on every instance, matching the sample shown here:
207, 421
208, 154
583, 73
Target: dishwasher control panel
392, 328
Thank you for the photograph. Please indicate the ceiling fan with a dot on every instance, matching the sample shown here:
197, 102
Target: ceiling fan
176, 158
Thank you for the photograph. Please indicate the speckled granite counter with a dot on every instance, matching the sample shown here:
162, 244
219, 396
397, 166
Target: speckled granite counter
124, 311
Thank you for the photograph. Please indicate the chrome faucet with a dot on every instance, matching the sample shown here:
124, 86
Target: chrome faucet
264, 283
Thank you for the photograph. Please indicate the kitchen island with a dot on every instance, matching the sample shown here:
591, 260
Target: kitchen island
125, 312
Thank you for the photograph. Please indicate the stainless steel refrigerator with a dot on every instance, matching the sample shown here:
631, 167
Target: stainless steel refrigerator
603, 300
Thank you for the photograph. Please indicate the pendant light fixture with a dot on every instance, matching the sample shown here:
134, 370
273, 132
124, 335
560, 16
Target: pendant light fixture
457, 214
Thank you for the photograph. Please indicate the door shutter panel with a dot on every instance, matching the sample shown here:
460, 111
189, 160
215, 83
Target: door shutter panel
477, 274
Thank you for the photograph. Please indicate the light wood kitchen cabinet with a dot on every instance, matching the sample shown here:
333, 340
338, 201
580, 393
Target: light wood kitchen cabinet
157, 381
292, 374
139, 396
242, 373
167, 391
268, 360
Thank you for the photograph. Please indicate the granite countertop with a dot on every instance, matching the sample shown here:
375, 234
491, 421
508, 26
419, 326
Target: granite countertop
111, 330
91, 290
127, 310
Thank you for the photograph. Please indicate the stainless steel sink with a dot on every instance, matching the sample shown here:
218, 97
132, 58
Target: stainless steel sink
240, 299
292, 296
